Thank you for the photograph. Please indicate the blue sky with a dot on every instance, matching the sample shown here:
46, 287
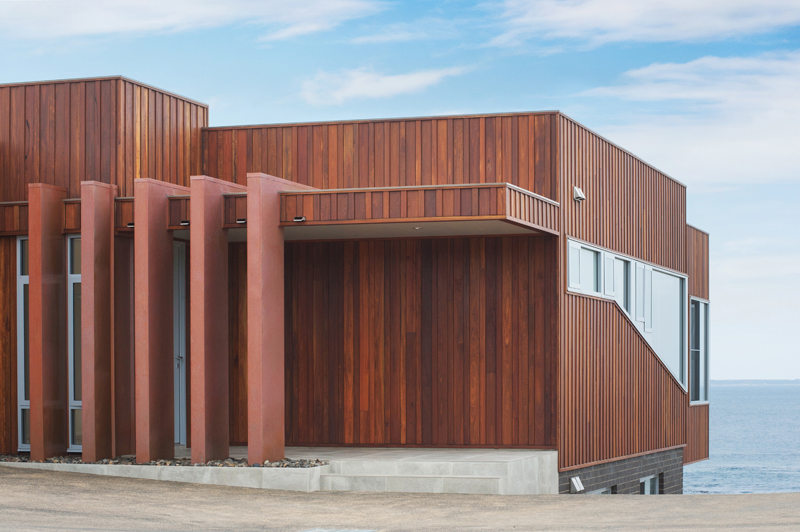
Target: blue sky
705, 90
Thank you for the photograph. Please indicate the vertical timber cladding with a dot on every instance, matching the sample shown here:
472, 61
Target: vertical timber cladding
112, 130
696, 434
422, 342
630, 207
697, 257
617, 397
518, 149
8, 344
698, 415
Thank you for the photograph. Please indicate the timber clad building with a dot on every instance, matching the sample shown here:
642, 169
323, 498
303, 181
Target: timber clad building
494, 281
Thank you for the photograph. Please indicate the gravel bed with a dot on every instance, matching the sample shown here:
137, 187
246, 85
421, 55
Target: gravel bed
131, 460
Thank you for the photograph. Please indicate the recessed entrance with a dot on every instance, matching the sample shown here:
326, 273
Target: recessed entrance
179, 338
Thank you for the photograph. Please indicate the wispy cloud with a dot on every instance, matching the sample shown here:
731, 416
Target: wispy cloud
35, 19
597, 22
335, 88
716, 120
430, 28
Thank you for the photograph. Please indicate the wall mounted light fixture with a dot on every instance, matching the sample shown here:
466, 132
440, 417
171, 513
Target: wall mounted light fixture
299, 218
575, 485
577, 194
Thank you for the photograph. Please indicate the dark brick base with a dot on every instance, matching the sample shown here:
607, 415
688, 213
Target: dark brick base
624, 475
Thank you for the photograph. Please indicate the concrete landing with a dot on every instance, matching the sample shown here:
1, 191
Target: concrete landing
467, 471
477, 471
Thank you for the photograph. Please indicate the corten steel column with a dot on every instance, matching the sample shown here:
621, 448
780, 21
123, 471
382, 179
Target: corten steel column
97, 318
47, 320
209, 318
265, 376
154, 351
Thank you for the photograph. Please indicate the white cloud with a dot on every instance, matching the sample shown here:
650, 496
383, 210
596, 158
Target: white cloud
602, 21
720, 120
431, 28
327, 88
35, 19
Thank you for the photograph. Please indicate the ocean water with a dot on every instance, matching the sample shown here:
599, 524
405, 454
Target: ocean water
754, 444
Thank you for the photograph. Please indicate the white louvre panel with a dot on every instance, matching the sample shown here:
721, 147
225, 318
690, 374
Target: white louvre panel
610, 284
574, 266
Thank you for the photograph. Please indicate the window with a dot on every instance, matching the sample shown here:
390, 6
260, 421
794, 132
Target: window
584, 269
649, 485
605, 491
698, 351
23, 348
639, 292
666, 316
74, 342
617, 280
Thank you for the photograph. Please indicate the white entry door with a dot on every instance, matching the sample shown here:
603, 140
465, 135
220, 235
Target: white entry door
179, 338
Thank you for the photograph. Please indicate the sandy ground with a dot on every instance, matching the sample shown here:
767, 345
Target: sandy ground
46, 500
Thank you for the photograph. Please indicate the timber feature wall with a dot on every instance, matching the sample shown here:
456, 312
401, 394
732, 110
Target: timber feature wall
517, 149
422, 342
112, 130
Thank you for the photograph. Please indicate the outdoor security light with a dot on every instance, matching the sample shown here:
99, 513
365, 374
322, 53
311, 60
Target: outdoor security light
299, 218
575, 485
577, 194
244, 220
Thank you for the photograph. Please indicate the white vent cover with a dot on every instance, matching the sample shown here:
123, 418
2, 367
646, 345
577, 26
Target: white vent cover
575, 485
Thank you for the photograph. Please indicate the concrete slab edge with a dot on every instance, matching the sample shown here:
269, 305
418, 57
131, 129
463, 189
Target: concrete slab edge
290, 479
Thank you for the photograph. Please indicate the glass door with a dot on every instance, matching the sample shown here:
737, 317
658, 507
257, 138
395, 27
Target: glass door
74, 343
179, 338
23, 349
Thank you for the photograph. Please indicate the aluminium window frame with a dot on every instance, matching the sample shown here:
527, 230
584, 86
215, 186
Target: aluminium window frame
605, 256
578, 245
22, 403
72, 280
651, 481
707, 357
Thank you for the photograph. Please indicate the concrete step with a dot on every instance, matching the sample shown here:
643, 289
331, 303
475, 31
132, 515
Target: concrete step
420, 468
414, 483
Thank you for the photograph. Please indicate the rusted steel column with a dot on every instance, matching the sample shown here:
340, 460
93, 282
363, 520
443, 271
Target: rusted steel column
97, 317
47, 321
153, 259
265, 319
208, 244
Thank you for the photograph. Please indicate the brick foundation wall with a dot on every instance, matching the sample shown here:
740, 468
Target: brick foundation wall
625, 474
